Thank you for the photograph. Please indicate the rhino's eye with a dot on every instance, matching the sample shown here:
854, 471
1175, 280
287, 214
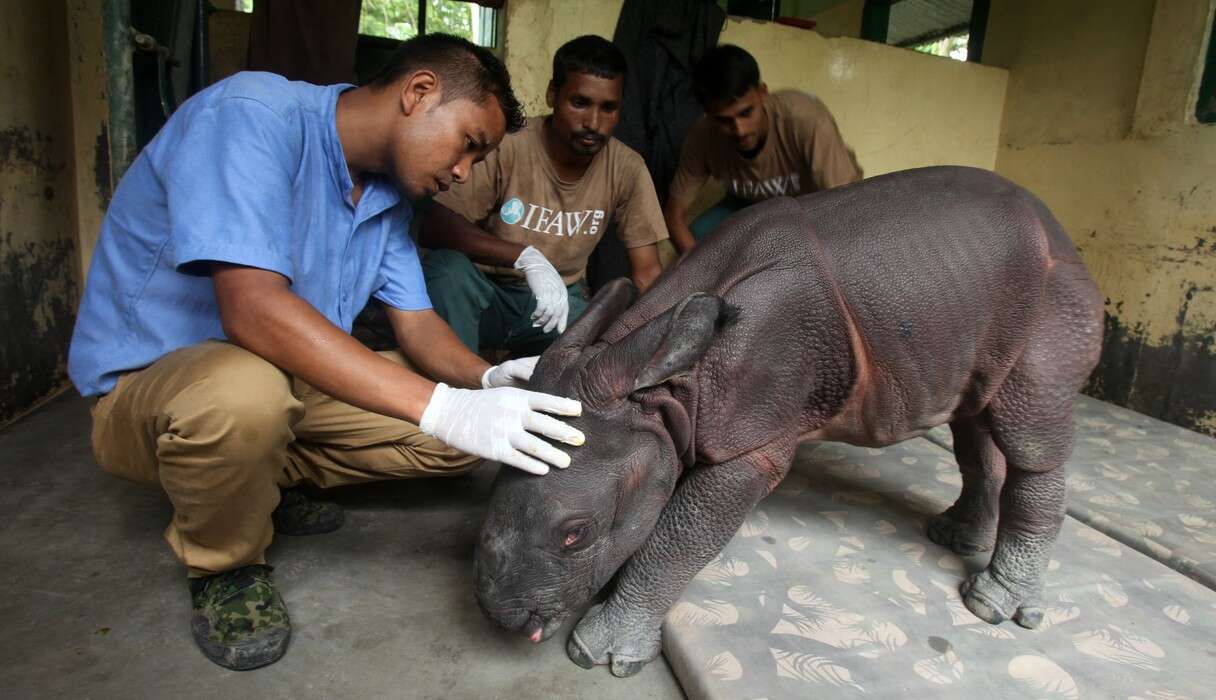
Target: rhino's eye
574, 536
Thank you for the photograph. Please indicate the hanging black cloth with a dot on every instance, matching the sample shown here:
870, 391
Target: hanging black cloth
661, 41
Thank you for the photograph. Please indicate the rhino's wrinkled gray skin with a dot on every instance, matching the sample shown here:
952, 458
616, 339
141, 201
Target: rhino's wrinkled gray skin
865, 314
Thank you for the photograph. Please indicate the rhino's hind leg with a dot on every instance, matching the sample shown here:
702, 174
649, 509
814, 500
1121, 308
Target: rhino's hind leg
969, 526
1032, 424
1012, 585
706, 510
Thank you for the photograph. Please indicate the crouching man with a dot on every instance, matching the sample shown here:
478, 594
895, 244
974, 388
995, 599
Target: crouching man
214, 326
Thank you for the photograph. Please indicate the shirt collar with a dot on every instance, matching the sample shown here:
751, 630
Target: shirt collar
378, 193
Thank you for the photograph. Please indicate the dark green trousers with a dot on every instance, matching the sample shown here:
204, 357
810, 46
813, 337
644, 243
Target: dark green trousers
489, 314
711, 218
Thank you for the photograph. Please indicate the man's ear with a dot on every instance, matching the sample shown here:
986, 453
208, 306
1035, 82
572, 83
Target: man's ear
421, 87
551, 95
763, 89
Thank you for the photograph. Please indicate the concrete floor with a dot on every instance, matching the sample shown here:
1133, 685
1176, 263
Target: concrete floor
93, 604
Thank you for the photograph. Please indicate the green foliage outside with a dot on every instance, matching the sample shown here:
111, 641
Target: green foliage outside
951, 46
398, 19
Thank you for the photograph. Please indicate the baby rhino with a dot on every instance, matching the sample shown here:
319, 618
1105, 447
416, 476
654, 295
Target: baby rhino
866, 314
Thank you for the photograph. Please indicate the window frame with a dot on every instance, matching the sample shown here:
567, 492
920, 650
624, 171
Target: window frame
491, 24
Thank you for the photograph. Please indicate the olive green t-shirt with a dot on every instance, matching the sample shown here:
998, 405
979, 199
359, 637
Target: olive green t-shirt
802, 153
516, 195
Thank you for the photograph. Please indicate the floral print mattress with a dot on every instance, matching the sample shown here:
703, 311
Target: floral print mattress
832, 589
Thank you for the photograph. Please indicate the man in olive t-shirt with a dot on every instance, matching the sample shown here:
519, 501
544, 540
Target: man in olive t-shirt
758, 144
512, 242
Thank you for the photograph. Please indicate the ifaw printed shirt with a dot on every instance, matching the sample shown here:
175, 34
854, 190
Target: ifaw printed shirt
803, 153
515, 194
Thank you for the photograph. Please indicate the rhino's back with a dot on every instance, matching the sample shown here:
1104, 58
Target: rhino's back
942, 272
938, 272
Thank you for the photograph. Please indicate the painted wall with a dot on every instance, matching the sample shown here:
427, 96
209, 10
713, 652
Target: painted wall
840, 19
38, 208
898, 109
1098, 124
90, 125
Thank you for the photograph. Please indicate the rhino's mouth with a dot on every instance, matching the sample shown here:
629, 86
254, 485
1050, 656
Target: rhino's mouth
537, 626
538, 629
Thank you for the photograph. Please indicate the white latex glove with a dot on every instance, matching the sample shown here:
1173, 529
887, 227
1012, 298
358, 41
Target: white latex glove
510, 373
552, 302
495, 424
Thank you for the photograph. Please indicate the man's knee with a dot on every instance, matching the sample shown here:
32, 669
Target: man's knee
447, 267
240, 400
424, 455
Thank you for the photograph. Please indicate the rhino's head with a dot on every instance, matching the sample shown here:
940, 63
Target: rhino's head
549, 543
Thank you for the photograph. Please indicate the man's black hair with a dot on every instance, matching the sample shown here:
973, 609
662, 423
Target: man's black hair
724, 74
589, 54
464, 69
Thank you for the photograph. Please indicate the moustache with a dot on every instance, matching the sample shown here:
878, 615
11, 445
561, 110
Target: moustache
579, 135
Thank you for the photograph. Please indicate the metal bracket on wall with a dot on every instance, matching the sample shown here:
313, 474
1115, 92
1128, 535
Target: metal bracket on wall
164, 59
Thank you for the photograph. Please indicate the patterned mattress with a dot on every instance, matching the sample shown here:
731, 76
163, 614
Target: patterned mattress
832, 589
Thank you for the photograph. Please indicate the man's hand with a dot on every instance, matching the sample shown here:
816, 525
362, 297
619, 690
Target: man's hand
514, 373
676, 215
552, 302
495, 424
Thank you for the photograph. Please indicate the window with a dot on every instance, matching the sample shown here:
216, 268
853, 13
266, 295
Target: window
1205, 106
949, 46
951, 28
402, 19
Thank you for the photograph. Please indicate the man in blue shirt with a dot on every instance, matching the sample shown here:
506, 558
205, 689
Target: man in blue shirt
215, 321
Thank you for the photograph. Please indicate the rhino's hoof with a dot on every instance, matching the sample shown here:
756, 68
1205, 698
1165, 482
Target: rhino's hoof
577, 652
600, 639
624, 669
1028, 616
961, 538
993, 603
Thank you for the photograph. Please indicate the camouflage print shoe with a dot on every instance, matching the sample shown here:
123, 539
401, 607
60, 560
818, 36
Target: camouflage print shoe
239, 620
298, 514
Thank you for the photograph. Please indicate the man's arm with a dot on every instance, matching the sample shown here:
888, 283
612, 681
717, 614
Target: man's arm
260, 313
676, 215
644, 265
444, 228
431, 345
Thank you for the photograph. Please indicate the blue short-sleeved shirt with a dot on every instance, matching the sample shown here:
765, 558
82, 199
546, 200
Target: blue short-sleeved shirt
249, 171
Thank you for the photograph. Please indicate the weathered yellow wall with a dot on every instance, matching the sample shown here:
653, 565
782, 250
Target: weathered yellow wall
90, 125
38, 272
843, 19
1074, 67
228, 42
897, 108
1098, 123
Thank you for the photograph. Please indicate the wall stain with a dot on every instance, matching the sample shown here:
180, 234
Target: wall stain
21, 144
37, 291
1174, 381
101, 166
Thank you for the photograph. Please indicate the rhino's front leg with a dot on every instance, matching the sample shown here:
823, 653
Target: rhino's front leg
704, 513
969, 526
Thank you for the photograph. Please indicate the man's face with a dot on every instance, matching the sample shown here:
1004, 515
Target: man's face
742, 120
439, 143
585, 111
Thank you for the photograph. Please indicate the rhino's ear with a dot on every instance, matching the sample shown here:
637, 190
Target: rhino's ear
605, 308
691, 329
662, 348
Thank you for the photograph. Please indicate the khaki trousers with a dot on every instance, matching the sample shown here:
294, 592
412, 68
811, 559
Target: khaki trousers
221, 430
